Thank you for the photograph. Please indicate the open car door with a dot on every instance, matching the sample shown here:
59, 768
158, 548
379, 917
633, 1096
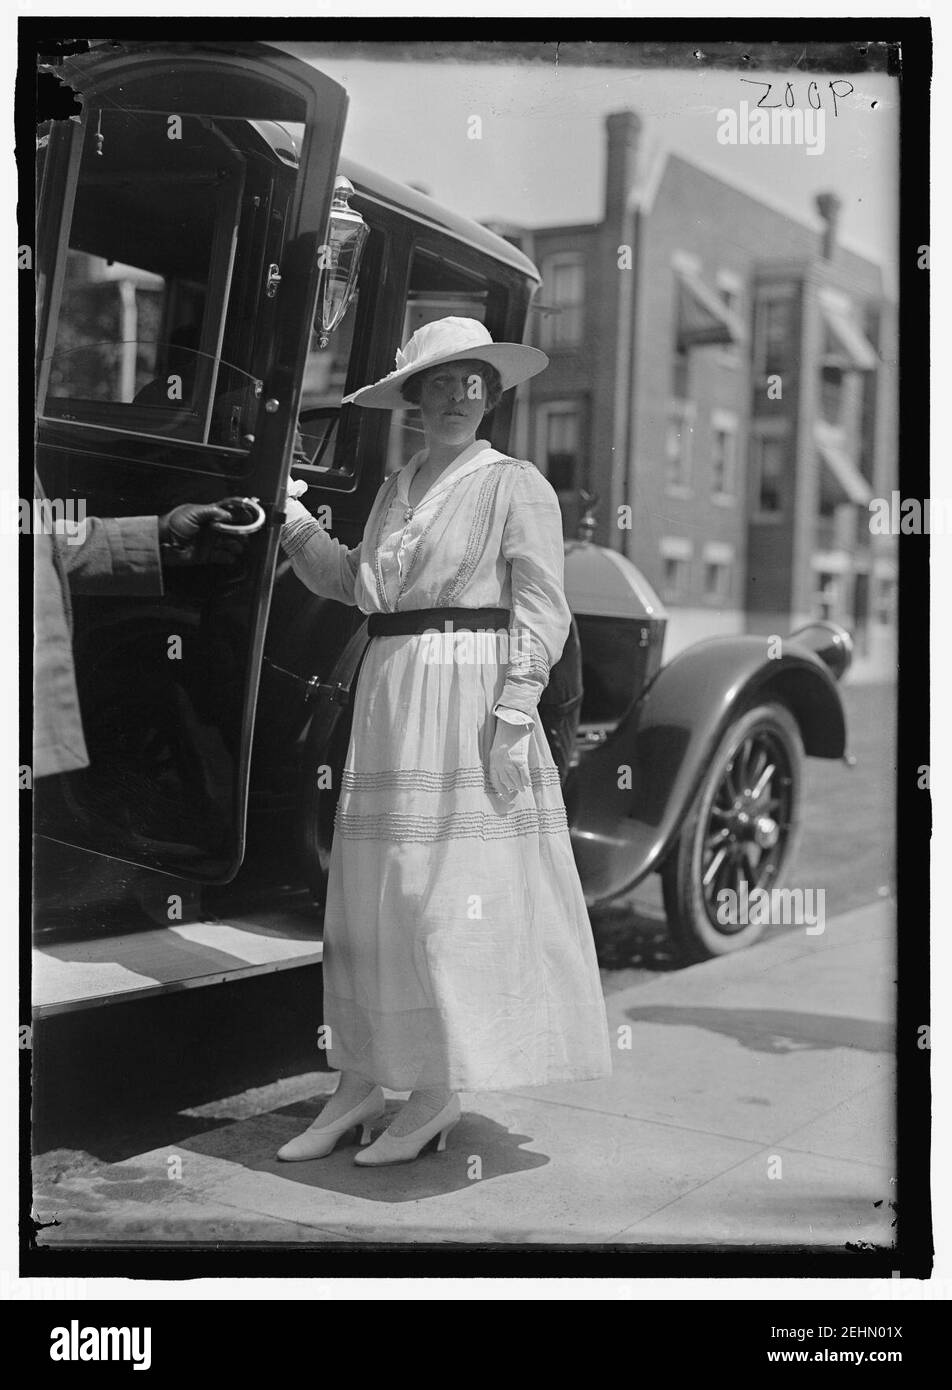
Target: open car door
178, 269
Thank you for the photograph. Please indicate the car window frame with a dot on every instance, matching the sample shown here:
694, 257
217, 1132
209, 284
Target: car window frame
222, 256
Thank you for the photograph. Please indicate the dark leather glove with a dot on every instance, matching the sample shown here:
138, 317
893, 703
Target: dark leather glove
187, 537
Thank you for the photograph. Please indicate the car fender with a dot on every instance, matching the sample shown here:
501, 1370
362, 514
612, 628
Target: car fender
627, 798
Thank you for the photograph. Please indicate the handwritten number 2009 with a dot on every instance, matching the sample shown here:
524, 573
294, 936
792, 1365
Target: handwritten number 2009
813, 93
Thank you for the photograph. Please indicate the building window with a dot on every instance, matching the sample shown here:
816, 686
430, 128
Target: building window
675, 577
827, 595
723, 454
827, 500
823, 599
773, 346
559, 432
768, 464
677, 447
563, 278
676, 553
716, 580
680, 374
718, 566
885, 600
831, 394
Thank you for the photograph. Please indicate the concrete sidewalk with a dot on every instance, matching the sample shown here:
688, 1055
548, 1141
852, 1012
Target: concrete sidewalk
752, 1101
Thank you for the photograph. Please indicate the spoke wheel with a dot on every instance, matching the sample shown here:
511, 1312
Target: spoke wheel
740, 834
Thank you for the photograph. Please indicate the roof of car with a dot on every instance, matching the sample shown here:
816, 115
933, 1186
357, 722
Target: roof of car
284, 142
428, 211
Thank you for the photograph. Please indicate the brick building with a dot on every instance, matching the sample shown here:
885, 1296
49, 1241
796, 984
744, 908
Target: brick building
727, 371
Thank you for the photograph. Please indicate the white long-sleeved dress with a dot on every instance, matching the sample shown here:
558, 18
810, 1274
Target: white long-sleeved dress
457, 946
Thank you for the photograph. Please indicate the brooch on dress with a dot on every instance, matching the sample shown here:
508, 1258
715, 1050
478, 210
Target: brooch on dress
408, 514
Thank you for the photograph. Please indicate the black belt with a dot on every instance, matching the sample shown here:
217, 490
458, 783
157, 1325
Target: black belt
426, 619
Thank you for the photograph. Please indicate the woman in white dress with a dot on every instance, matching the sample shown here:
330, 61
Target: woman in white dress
458, 954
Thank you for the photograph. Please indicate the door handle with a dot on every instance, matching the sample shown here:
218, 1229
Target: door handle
236, 505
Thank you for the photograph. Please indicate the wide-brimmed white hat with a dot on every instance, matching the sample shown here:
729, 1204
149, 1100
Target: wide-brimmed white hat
450, 340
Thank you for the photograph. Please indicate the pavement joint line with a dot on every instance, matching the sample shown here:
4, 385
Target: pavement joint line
771, 1145
834, 1158
697, 1187
270, 1216
225, 1210
651, 1120
855, 1095
717, 1176
825, 944
334, 1231
692, 1129
828, 948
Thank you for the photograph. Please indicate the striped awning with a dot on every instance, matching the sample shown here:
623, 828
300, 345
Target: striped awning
853, 350
850, 485
704, 320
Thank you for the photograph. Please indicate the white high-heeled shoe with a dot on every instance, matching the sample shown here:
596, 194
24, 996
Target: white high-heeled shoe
318, 1140
390, 1148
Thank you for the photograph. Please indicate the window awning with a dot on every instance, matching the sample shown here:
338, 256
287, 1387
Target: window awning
850, 483
855, 353
703, 318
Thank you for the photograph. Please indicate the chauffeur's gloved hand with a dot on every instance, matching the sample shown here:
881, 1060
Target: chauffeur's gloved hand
187, 537
509, 758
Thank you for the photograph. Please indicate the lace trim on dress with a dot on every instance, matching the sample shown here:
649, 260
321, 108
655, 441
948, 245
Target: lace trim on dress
477, 538
296, 534
399, 779
459, 825
482, 521
385, 502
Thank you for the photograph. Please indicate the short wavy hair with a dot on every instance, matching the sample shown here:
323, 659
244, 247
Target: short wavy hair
412, 388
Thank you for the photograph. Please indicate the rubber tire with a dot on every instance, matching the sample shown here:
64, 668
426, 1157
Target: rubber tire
693, 933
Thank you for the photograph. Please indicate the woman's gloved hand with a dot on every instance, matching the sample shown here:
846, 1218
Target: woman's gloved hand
509, 758
293, 509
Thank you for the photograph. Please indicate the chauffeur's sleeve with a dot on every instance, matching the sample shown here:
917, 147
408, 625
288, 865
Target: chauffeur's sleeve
111, 555
325, 566
541, 618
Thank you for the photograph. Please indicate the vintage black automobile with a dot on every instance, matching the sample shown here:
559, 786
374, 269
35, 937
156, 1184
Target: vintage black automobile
212, 277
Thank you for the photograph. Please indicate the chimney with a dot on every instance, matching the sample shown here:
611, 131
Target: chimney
621, 172
828, 206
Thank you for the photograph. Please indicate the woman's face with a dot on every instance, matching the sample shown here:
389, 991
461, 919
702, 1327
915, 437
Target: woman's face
453, 402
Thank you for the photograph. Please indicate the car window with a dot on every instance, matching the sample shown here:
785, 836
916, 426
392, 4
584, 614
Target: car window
325, 382
174, 225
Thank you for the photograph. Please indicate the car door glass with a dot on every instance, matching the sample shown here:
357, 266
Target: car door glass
325, 379
173, 234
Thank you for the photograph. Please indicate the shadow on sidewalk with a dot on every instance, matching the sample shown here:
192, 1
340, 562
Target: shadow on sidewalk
774, 1030
478, 1148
